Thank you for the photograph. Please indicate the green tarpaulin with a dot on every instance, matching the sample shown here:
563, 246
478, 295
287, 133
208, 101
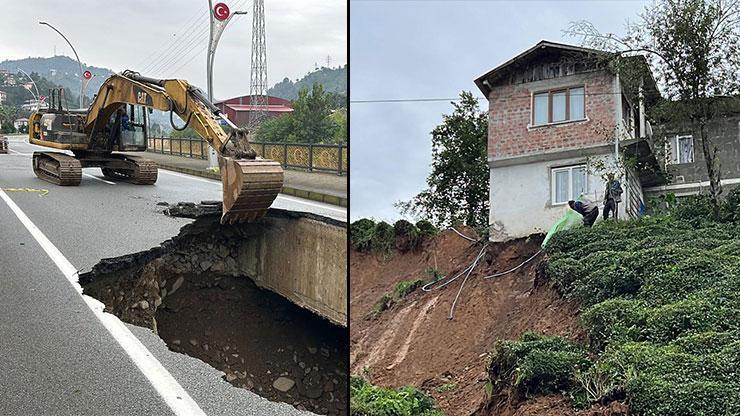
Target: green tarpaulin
569, 220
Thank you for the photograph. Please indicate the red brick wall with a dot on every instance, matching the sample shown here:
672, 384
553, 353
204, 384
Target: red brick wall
510, 112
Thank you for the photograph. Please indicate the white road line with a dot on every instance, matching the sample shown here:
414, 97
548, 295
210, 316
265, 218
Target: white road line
99, 179
195, 178
19, 153
287, 198
168, 388
301, 201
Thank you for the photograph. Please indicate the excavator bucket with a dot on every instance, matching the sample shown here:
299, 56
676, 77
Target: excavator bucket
249, 186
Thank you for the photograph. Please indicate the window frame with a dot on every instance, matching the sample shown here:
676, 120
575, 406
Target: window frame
673, 149
550, 93
553, 182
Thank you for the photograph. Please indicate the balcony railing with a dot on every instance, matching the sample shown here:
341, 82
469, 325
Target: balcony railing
312, 157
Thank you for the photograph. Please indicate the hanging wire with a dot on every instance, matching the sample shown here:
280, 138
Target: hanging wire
445, 281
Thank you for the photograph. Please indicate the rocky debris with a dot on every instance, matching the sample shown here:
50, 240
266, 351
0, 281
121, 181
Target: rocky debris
192, 292
283, 384
193, 210
175, 286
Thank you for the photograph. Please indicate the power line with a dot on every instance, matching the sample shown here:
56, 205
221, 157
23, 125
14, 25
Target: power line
168, 43
180, 52
408, 100
197, 51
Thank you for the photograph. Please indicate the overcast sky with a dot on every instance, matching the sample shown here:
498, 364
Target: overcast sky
130, 34
435, 49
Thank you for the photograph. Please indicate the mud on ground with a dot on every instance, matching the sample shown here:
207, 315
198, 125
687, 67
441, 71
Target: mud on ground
191, 293
414, 342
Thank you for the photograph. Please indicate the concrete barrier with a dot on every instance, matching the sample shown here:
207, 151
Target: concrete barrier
302, 257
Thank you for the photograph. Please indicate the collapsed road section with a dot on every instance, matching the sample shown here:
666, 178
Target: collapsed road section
264, 302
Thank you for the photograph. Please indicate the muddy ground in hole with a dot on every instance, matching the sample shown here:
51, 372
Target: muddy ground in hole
414, 342
224, 319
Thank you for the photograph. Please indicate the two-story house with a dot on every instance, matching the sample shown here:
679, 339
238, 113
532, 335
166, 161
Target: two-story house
554, 109
559, 119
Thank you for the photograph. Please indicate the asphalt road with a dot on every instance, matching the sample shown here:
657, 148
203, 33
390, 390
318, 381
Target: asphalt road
58, 357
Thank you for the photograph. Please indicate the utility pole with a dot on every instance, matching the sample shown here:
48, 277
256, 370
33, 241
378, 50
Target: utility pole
258, 78
220, 16
82, 83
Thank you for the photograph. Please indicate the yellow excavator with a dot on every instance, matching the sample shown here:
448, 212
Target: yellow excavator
117, 121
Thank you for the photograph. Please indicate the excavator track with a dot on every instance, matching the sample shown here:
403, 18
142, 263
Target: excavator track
139, 171
57, 168
249, 187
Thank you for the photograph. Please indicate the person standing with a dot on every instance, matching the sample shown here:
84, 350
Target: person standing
612, 197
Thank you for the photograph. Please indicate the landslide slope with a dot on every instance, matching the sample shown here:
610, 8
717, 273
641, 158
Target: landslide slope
414, 343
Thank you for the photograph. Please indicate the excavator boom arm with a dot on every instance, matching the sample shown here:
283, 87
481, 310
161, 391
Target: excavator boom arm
173, 95
250, 184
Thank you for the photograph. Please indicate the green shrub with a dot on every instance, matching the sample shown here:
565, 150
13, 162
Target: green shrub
695, 210
369, 400
434, 274
383, 238
401, 290
361, 234
613, 321
536, 364
405, 287
380, 305
660, 299
731, 206
407, 235
700, 313
426, 228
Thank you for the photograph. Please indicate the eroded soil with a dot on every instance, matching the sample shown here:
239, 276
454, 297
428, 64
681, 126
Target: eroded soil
415, 343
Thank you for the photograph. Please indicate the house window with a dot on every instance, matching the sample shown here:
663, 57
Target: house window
557, 106
568, 183
681, 149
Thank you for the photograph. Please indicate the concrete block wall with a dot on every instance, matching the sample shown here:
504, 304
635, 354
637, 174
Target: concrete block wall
510, 133
301, 257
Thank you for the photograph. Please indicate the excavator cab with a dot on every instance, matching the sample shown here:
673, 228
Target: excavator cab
132, 129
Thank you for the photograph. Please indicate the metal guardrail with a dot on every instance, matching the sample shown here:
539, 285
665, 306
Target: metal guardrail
312, 157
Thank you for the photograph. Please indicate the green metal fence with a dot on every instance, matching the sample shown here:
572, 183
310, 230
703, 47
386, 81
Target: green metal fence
311, 157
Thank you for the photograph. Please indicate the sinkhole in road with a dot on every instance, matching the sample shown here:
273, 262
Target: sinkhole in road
190, 292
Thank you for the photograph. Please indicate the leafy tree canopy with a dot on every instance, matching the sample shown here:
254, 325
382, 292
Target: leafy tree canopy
458, 184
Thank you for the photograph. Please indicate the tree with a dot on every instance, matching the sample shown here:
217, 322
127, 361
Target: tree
694, 49
458, 184
7, 117
310, 122
277, 130
311, 113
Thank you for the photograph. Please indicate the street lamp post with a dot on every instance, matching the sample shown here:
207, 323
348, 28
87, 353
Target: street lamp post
220, 16
37, 97
76, 56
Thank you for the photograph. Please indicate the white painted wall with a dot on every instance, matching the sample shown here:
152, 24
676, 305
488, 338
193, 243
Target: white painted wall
520, 197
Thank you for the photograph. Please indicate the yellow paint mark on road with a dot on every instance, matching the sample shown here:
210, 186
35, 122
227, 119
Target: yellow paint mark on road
41, 192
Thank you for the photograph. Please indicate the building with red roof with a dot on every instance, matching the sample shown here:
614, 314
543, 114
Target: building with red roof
238, 109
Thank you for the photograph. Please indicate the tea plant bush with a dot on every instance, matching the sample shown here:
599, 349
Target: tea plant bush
369, 400
660, 303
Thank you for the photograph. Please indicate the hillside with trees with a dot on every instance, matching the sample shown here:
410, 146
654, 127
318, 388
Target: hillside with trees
333, 80
60, 70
